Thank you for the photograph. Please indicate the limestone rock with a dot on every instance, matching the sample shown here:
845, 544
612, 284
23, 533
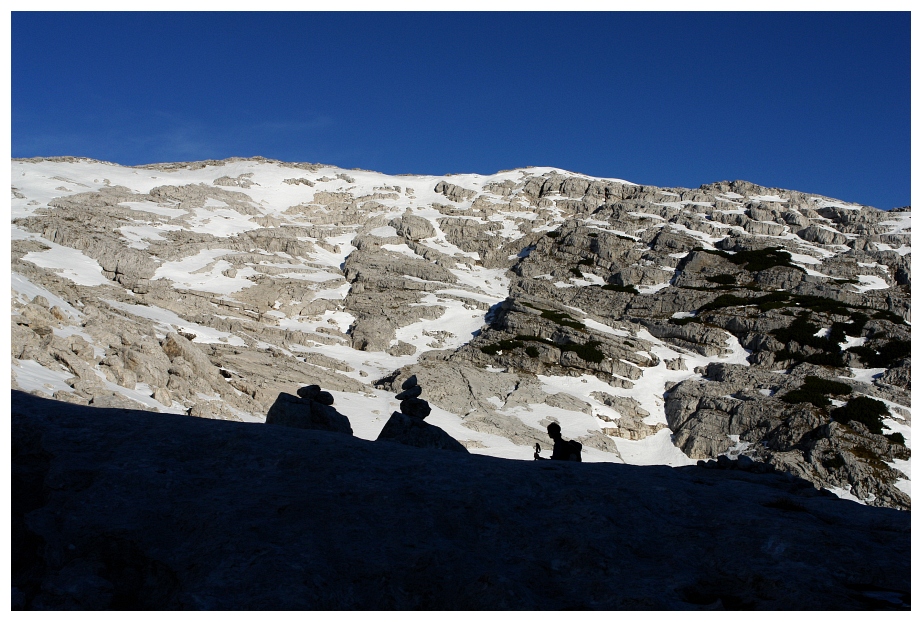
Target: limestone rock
453, 192
402, 348
676, 364
630, 424
212, 409
798, 438
175, 347
163, 396
821, 235
413, 227
568, 402
114, 400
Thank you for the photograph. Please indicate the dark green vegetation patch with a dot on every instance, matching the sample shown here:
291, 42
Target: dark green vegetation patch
722, 279
864, 410
773, 300
558, 317
504, 344
883, 356
778, 300
628, 289
815, 390
757, 260
803, 332
588, 351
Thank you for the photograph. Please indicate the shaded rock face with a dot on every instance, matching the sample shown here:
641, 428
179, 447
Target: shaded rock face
791, 435
311, 410
114, 509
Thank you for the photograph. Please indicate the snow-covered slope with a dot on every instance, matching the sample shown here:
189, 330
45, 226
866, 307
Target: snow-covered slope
289, 274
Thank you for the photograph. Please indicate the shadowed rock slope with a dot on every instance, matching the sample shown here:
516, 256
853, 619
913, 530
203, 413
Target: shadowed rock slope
115, 508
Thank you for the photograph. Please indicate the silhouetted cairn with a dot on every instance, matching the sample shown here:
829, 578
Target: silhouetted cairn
311, 410
407, 426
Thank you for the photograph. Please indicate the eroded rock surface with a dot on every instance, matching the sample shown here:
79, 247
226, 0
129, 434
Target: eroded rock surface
210, 288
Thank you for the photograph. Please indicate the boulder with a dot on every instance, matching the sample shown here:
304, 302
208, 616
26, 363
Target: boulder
413, 227
324, 398
414, 391
415, 407
163, 396
453, 192
821, 235
115, 400
402, 348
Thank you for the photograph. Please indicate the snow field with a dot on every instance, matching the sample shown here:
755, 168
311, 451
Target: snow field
168, 322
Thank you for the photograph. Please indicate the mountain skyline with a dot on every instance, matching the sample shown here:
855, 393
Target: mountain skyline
818, 102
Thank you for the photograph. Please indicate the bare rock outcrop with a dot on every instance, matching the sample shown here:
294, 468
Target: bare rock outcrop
788, 421
453, 192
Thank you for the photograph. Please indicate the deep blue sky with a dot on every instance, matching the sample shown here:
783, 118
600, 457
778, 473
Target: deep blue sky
818, 102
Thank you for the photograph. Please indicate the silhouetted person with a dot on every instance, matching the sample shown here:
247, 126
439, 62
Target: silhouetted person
563, 450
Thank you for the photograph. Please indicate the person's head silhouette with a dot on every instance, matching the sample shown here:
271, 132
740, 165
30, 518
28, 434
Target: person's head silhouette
553, 430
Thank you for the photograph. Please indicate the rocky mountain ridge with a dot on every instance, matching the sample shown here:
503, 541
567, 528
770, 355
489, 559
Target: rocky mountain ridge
656, 325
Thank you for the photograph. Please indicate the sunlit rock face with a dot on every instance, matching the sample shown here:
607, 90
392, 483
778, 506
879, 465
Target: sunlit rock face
655, 325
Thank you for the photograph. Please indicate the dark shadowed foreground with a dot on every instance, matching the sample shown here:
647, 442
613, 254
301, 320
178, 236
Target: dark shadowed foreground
125, 509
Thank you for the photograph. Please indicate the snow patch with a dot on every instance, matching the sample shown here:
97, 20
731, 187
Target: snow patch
69, 263
170, 322
869, 282
30, 376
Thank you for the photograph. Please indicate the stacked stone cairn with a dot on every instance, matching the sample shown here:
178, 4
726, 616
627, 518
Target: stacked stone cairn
312, 409
407, 426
